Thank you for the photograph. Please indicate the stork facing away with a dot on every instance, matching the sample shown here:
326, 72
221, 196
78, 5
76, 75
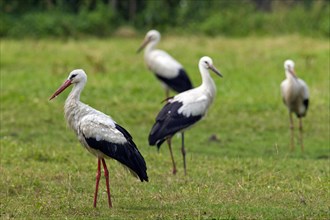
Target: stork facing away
295, 96
99, 134
184, 110
169, 71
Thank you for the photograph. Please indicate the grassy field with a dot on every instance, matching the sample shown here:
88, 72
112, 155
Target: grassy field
248, 172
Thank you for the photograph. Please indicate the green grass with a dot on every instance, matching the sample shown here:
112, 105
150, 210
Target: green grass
249, 173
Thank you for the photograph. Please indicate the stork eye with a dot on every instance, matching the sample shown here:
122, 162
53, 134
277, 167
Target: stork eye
73, 76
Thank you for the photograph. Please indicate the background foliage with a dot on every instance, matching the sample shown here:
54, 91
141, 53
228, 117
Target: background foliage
77, 18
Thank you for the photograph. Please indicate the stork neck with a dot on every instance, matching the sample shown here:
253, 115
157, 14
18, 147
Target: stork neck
150, 46
73, 107
207, 82
290, 77
75, 92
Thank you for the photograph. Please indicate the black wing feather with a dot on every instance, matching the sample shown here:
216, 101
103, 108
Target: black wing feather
306, 103
127, 153
180, 83
124, 132
168, 122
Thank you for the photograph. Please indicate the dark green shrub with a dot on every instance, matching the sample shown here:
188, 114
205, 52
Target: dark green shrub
212, 17
99, 22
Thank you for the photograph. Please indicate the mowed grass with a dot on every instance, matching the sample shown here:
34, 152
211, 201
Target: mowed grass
248, 172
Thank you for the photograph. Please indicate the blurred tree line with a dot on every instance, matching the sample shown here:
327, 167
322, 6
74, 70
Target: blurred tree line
75, 18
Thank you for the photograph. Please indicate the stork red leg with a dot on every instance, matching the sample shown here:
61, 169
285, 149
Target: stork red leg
106, 174
167, 93
98, 175
183, 151
170, 147
301, 134
292, 131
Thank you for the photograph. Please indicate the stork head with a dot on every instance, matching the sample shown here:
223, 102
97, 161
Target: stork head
207, 63
151, 36
289, 67
77, 76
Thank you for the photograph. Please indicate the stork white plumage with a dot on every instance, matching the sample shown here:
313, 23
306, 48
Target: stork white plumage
295, 96
169, 71
99, 134
184, 110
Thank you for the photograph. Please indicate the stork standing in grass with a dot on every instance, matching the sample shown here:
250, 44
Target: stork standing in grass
99, 134
184, 110
169, 71
295, 96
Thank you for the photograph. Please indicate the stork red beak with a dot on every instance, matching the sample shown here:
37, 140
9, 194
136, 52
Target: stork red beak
65, 85
144, 43
291, 70
215, 70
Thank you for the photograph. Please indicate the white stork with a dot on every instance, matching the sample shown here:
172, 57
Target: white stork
169, 71
184, 110
295, 96
99, 134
